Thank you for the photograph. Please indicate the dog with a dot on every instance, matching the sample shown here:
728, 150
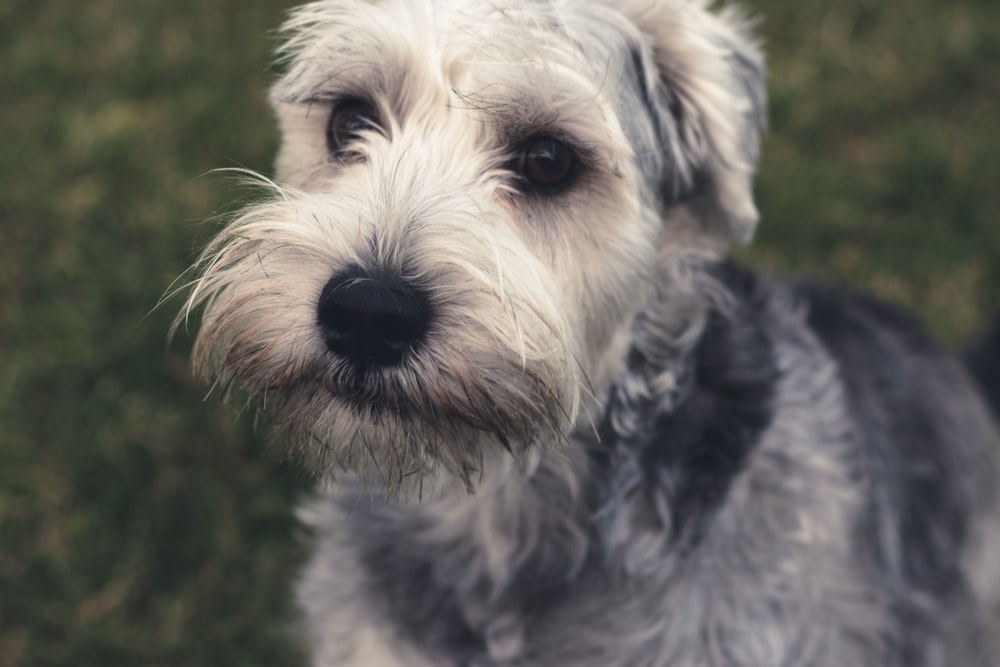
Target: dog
488, 301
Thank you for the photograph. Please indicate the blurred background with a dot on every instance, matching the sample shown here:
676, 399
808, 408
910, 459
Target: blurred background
143, 525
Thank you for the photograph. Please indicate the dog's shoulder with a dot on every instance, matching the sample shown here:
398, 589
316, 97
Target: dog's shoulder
921, 432
920, 435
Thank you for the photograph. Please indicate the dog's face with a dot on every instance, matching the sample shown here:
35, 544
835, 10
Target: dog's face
472, 202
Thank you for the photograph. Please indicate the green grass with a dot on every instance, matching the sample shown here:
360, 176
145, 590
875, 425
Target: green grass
882, 166
142, 526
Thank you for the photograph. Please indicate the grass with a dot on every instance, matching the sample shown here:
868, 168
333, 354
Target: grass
143, 526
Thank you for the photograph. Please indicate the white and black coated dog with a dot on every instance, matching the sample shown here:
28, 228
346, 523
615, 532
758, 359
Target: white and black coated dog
488, 300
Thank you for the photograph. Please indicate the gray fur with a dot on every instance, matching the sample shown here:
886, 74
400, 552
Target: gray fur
607, 446
801, 565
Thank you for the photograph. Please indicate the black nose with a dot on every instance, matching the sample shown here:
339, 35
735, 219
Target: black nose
372, 320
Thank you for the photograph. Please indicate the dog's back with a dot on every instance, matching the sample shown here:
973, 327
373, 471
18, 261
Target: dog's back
984, 363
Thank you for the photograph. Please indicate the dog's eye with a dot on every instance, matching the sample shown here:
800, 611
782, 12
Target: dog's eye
348, 121
547, 163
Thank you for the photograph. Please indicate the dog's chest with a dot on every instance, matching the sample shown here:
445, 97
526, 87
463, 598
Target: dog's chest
419, 603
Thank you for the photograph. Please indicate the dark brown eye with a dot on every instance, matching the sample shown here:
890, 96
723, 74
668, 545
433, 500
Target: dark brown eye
349, 120
547, 163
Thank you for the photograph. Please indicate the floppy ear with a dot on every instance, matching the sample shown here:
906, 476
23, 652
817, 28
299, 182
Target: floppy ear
703, 81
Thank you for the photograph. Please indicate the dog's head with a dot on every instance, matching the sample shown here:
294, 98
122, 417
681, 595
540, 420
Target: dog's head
471, 204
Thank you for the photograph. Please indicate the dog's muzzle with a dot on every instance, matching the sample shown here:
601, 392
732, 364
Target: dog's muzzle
372, 320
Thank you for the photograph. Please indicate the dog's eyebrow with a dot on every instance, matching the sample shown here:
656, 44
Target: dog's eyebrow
326, 91
312, 84
510, 112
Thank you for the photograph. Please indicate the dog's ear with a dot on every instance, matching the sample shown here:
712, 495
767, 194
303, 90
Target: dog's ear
702, 77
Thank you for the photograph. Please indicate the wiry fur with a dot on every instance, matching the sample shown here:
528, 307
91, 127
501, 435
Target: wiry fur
612, 447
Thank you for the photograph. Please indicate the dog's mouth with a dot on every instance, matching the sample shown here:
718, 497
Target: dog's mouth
373, 391
414, 396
